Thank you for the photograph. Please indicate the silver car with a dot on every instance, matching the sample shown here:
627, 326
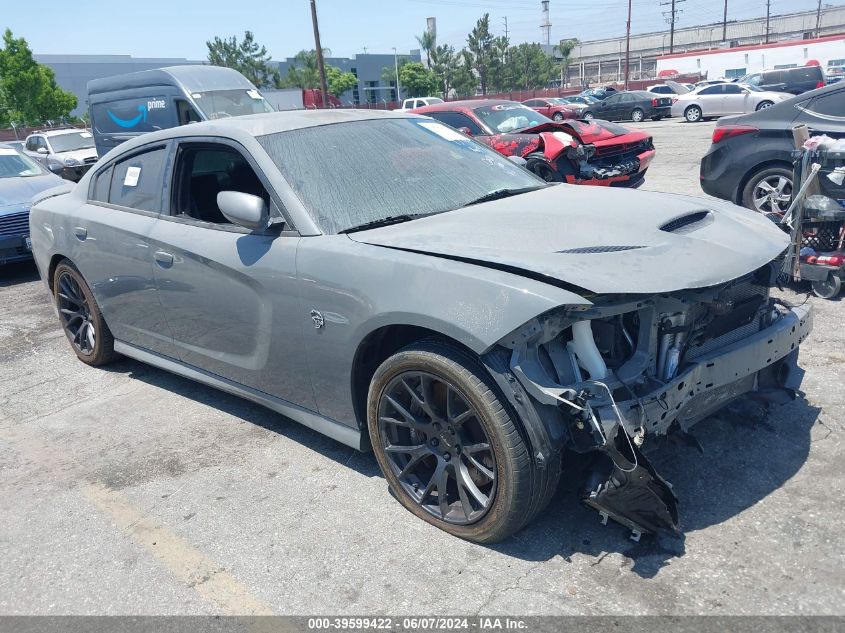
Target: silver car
387, 281
67, 152
723, 99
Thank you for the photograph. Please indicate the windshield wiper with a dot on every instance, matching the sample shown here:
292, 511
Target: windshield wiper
394, 219
498, 194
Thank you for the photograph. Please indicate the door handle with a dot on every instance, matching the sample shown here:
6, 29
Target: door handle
81, 233
163, 259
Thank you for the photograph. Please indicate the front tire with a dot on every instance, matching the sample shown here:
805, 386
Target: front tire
829, 288
450, 449
693, 114
558, 117
80, 317
637, 115
588, 115
764, 104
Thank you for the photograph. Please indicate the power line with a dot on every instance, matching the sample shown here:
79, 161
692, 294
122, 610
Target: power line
671, 19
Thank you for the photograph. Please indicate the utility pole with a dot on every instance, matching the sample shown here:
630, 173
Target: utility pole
321, 68
628, 46
768, 11
671, 19
819, 20
725, 22
505, 20
396, 68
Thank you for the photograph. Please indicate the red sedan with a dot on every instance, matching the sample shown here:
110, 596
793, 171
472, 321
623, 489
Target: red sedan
591, 152
553, 109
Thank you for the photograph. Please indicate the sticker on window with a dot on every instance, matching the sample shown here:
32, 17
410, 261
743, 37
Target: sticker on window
254, 94
132, 176
7, 152
442, 131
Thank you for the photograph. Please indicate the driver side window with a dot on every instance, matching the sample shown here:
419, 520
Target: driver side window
204, 170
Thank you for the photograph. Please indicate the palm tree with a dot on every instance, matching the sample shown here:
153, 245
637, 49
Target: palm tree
426, 42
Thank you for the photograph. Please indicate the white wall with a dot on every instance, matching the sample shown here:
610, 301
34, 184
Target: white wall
716, 64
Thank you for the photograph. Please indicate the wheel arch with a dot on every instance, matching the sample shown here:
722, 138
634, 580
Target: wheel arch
758, 167
376, 347
55, 260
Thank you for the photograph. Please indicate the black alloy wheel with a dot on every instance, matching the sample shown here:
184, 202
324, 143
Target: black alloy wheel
437, 448
80, 317
75, 314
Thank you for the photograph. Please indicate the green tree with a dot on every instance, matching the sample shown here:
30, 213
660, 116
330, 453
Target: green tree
530, 66
417, 80
426, 42
500, 75
480, 45
564, 50
464, 81
247, 57
28, 90
339, 81
444, 65
304, 73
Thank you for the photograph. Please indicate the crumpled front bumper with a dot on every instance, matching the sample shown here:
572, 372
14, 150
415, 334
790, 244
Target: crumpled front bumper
717, 378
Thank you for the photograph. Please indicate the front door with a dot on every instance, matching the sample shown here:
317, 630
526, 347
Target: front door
230, 295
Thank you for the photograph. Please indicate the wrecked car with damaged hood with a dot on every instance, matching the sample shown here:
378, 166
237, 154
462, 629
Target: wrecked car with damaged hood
423, 296
588, 152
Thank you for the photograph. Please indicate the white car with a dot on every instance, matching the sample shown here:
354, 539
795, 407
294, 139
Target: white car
67, 152
418, 102
722, 99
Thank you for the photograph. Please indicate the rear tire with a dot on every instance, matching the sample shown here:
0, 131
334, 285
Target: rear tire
693, 114
446, 397
766, 185
80, 317
637, 115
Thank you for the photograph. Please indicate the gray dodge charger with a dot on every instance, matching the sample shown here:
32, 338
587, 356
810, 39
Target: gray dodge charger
395, 285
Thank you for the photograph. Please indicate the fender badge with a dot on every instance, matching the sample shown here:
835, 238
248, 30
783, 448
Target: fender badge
318, 319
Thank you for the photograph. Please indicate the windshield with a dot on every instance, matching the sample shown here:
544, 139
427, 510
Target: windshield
71, 142
386, 168
219, 104
14, 165
507, 117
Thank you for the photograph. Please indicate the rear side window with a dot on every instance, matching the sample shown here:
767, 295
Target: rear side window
99, 191
137, 181
830, 104
804, 73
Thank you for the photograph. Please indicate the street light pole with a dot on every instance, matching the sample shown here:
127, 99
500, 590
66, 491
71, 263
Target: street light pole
628, 46
396, 68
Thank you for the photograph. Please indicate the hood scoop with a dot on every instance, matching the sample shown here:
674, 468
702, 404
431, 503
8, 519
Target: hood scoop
590, 250
688, 223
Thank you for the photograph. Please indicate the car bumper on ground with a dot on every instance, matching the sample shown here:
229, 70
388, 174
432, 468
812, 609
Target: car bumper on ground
718, 174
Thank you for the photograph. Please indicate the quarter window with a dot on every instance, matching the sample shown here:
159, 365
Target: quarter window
136, 181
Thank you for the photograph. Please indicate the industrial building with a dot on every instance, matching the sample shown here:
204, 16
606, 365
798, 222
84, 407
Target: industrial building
603, 60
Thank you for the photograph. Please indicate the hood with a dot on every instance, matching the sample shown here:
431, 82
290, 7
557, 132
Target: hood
15, 192
599, 239
592, 131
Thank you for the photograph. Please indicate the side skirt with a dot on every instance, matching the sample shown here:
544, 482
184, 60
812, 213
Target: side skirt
335, 430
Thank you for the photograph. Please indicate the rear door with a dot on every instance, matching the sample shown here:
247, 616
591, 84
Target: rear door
229, 294
710, 99
111, 247
735, 99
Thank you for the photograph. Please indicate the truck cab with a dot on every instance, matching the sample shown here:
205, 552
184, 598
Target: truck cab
128, 105
418, 102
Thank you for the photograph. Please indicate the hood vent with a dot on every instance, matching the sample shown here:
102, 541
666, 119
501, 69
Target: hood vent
589, 250
686, 223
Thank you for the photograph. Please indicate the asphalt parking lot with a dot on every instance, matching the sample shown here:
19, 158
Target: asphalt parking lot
127, 490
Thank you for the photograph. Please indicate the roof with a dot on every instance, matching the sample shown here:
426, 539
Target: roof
193, 78
60, 131
752, 47
467, 104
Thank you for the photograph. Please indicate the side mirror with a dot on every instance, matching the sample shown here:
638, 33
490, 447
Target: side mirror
243, 209
465, 131
42, 150
519, 161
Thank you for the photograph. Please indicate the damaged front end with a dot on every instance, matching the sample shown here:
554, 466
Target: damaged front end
610, 377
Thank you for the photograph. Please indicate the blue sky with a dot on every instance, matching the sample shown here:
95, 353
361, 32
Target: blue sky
173, 28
